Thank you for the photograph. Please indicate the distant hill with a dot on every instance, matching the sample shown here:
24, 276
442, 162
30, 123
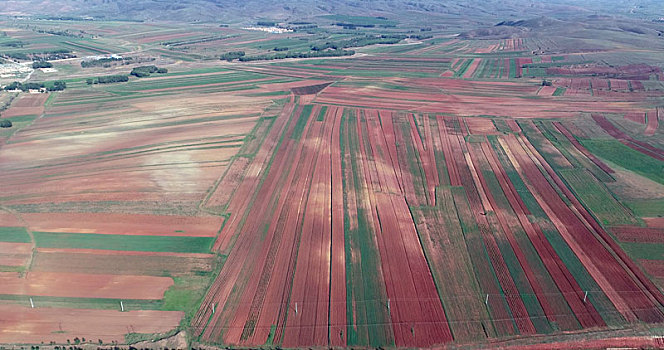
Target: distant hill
477, 11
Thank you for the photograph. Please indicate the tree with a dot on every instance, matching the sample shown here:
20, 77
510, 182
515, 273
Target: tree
58, 85
41, 64
144, 71
5, 123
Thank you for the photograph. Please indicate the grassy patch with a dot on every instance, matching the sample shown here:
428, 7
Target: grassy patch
321, 114
654, 251
14, 235
617, 153
647, 207
124, 242
597, 198
185, 294
301, 122
559, 91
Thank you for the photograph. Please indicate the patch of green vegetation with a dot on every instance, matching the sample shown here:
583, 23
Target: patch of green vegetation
5, 268
14, 235
617, 153
187, 292
17, 123
321, 114
475, 138
301, 122
512, 68
366, 321
597, 198
463, 68
647, 207
361, 21
652, 251
270, 337
559, 91
124, 242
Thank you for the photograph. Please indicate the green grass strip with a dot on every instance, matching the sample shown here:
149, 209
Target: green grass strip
14, 235
175, 244
301, 122
617, 153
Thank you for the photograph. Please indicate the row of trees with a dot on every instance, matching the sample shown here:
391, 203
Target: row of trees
145, 71
360, 41
41, 64
57, 85
41, 56
102, 61
233, 55
107, 79
311, 54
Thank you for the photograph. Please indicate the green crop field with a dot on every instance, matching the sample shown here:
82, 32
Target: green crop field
123, 242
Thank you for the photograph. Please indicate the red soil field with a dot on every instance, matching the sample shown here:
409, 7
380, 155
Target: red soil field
638, 117
657, 222
481, 126
9, 220
84, 285
619, 84
447, 74
129, 224
639, 234
26, 104
472, 68
634, 71
313, 312
14, 254
224, 190
597, 83
653, 122
501, 100
546, 91
653, 267
21, 324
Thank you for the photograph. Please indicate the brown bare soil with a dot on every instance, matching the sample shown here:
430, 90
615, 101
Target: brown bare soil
119, 264
78, 285
14, 254
24, 325
129, 224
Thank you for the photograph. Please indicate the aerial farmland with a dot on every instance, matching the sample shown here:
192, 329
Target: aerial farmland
411, 177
